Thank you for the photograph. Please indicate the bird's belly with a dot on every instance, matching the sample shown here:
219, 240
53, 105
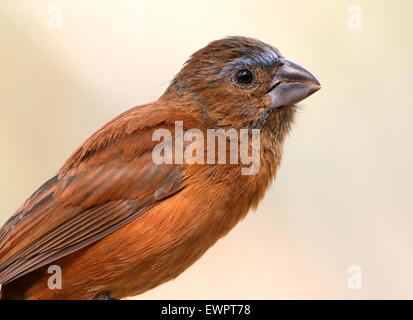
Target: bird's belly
154, 248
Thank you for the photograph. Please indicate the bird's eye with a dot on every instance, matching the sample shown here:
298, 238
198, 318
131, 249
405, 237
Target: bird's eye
244, 77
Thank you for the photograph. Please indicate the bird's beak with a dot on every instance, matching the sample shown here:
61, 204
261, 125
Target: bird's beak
291, 84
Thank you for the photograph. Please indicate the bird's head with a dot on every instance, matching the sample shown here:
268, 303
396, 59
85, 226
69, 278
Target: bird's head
239, 80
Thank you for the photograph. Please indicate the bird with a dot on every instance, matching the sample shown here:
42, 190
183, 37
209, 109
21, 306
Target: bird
118, 223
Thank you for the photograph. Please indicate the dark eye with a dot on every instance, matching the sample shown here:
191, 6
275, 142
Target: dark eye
244, 77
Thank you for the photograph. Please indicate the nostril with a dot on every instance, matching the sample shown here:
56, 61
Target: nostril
279, 62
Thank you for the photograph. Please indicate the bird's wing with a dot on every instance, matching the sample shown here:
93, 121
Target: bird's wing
85, 202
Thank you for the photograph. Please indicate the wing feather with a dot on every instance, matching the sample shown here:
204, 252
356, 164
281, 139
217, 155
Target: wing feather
85, 202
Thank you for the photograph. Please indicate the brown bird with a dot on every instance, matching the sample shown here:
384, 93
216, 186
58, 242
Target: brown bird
118, 223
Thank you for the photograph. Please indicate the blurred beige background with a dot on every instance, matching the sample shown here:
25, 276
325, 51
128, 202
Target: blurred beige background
343, 196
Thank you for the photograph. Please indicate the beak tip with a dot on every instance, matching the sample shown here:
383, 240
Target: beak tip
313, 83
315, 86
